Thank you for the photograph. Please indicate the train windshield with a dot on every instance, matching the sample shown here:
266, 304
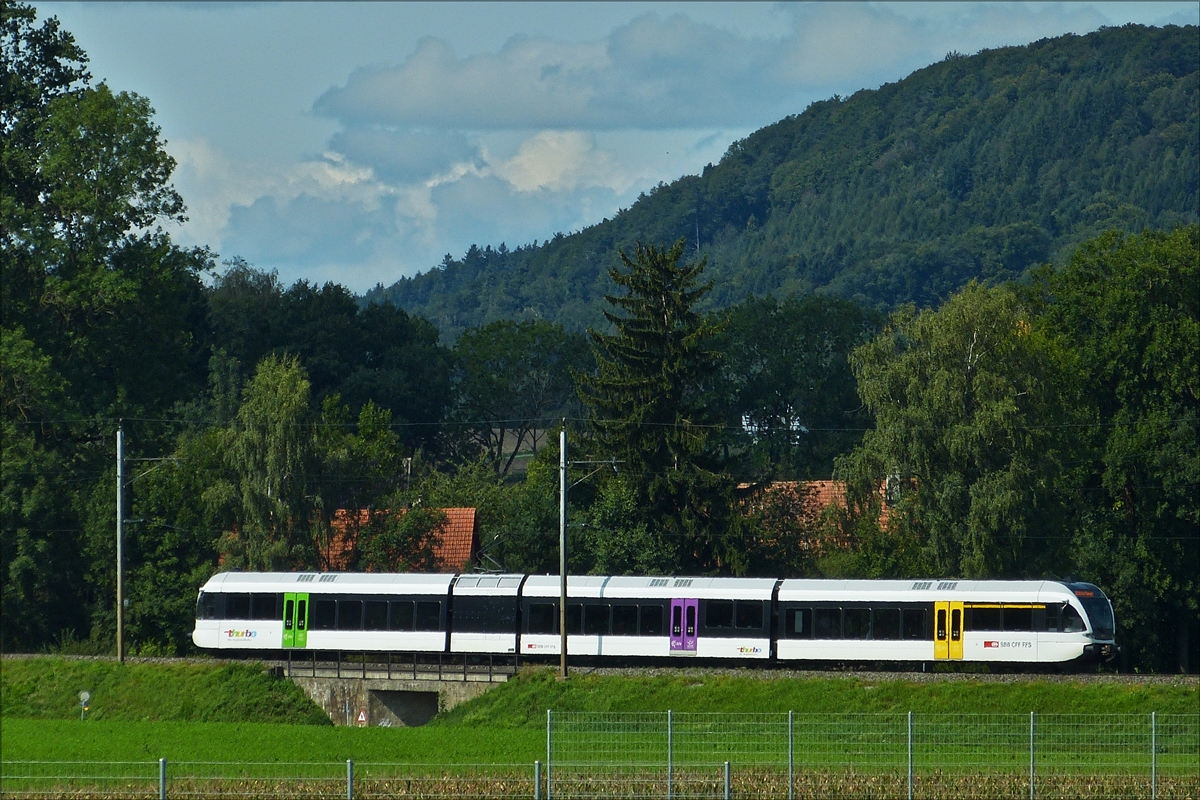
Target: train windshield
1100, 614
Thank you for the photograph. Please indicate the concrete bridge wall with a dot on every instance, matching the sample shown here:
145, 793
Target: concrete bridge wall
388, 702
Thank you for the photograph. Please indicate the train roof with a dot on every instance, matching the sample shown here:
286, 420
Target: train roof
629, 586
926, 590
330, 582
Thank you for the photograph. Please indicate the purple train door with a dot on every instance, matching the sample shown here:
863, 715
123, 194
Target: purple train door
683, 626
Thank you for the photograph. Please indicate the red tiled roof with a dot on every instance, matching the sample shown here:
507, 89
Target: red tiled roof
455, 543
816, 496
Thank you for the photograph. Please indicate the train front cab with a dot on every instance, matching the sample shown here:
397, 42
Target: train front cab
1002, 622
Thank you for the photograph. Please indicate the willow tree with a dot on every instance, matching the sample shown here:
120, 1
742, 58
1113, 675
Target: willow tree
270, 450
649, 408
971, 404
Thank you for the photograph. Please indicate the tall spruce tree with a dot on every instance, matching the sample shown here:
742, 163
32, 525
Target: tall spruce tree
649, 407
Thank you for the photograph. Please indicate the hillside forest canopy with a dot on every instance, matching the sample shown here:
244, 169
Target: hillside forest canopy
996, 339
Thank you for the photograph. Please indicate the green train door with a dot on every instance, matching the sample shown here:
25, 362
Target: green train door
295, 619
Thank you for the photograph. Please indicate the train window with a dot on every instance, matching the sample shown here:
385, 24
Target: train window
1071, 621
984, 619
206, 606
596, 621
485, 614
916, 624
237, 606
542, 617
289, 612
676, 620
375, 615
827, 623
401, 615
264, 606
750, 614
574, 619
301, 614
1018, 619
350, 615
651, 620
324, 615
885, 623
856, 623
955, 624
941, 625
719, 614
798, 623
1052, 613
624, 620
429, 615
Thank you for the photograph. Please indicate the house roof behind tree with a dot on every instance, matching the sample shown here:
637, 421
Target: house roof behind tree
455, 543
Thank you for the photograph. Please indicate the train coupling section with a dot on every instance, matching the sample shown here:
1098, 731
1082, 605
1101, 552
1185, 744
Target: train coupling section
1100, 652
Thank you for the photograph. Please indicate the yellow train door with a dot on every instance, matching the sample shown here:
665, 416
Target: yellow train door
948, 631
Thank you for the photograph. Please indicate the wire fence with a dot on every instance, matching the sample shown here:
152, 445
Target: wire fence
676, 755
906, 756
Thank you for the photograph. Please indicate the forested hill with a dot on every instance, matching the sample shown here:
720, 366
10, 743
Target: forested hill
977, 166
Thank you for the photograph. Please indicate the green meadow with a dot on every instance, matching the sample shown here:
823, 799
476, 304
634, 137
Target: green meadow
239, 712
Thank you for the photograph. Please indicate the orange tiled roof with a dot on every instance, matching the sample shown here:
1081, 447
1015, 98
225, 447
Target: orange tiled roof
455, 543
817, 496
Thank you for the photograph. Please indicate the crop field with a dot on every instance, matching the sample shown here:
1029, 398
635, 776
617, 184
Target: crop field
233, 730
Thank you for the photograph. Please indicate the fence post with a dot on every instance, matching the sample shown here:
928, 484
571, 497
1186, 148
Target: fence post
1153, 755
791, 755
162, 779
1032, 792
537, 780
910, 757
728, 788
349, 779
670, 753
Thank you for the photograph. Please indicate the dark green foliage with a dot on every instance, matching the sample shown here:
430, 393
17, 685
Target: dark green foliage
511, 379
976, 167
374, 353
1130, 309
650, 408
785, 375
102, 315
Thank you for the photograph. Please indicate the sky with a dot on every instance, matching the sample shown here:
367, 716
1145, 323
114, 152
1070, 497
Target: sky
361, 142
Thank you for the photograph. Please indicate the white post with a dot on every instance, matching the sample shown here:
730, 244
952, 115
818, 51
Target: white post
670, 753
562, 547
1153, 755
549, 757
728, 787
791, 755
537, 780
1032, 784
349, 779
162, 779
120, 543
910, 757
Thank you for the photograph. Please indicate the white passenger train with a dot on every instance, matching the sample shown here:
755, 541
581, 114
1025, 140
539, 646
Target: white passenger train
625, 617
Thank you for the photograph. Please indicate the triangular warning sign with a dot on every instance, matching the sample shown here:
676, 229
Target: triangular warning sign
362, 716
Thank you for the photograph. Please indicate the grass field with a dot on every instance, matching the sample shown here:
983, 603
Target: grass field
234, 712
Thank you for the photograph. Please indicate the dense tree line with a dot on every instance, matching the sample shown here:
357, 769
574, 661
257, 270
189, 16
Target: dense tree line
978, 166
1018, 429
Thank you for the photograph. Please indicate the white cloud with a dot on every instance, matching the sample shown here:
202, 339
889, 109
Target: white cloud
561, 161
